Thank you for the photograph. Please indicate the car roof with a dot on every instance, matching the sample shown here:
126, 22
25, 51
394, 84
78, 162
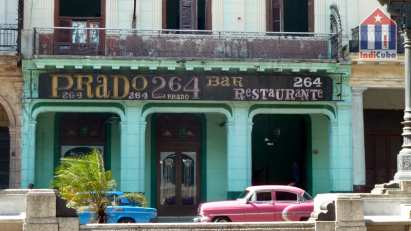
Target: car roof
276, 187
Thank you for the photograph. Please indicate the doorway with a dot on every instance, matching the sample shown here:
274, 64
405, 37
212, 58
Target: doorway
4, 157
178, 138
280, 145
187, 14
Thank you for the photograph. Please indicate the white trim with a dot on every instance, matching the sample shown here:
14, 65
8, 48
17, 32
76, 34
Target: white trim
187, 109
300, 111
44, 109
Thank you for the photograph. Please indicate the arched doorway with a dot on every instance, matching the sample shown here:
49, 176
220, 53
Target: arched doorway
179, 140
4, 149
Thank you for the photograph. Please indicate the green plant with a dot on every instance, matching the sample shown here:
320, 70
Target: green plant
83, 181
136, 198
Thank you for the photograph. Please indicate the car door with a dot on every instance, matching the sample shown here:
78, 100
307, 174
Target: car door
283, 199
260, 207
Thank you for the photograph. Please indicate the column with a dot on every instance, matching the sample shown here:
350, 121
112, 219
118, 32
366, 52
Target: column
132, 151
341, 160
404, 157
28, 153
142, 125
358, 139
238, 153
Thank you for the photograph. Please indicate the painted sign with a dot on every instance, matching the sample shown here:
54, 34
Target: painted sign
137, 86
378, 37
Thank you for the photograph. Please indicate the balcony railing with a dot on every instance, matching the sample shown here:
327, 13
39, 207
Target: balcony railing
8, 37
183, 44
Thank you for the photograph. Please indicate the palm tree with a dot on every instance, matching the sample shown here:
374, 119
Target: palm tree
83, 181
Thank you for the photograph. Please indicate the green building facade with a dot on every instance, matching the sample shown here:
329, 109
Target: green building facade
239, 142
186, 117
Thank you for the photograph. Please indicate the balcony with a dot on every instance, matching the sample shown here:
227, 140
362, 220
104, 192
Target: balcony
72, 42
8, 38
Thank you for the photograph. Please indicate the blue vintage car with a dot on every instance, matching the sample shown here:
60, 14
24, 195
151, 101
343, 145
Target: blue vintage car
121, 211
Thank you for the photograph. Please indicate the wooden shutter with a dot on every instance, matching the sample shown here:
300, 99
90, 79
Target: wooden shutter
208, 14
188, 14
274, 15
310, 15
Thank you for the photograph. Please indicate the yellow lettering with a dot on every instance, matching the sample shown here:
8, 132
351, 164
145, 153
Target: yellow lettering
116, 86
55, 87
213, 81
237, 81
136, 86
88, 83
225, 82
102, 87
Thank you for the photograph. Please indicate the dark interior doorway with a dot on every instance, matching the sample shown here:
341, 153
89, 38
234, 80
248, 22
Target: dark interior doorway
280, 145
382, 142
4, 157
80, 133
187, 14
290, 15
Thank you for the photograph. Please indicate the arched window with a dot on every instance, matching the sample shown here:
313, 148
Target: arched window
187, 14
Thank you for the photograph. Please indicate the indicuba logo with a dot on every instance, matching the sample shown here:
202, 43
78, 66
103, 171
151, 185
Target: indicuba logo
378, 37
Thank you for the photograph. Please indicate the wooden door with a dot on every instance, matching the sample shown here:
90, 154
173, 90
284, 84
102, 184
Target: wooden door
178, 175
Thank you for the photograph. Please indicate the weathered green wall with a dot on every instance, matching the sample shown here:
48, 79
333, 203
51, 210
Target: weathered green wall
44, 150
216, 157
320, 154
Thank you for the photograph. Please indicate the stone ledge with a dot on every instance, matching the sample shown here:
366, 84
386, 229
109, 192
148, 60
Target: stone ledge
12, 218
386, 220
289, 226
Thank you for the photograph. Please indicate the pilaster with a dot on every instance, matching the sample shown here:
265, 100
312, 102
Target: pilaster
28, 152
341, 160
358, 138
239, 152
132, 151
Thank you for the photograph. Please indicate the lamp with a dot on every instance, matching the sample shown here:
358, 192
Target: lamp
402, 10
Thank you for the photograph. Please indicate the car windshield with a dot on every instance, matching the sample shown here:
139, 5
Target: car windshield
243, 194
307, 196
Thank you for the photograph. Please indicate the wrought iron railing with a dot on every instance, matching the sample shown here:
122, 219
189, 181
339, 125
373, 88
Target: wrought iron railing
9, 37
183, 44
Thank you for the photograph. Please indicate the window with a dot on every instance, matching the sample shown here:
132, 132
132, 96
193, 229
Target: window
290, 15
243, 194
285, 196
80, 15
187, 14
80, 8
263, 196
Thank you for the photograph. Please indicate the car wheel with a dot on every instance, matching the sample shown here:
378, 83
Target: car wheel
221, 219
126, 220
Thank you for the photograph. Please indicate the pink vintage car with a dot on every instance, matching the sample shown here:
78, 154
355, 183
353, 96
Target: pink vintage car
260, 203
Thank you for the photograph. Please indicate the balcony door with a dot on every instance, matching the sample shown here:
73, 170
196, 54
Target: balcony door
187, 14
82, 16
178, 175
290, 15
